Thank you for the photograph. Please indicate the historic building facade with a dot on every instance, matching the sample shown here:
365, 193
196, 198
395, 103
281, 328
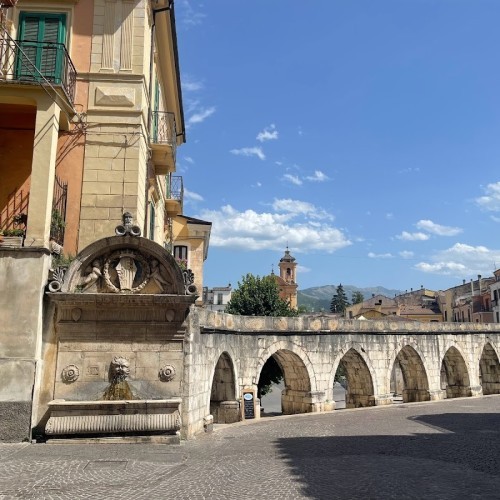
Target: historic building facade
90, 120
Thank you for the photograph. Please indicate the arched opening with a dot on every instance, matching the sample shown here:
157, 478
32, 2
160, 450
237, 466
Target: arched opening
223, 404
354, 380
454, 375
296, 395
489, 370
409, 379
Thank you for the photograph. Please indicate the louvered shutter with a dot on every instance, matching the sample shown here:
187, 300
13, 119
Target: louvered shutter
51, 53
42, 36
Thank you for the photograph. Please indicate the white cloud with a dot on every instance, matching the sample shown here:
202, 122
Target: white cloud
491, 200
189, 16
255, 151
318, 176
268, 134
294, 179
200, 116
303, 208
406, 236
406, 254
389, 215
189, 159
250, 230
190, 195
432, 227
190, 85
380, 255
303, 269
279, 163
462, 260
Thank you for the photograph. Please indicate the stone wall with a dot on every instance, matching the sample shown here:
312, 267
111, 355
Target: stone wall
24, 273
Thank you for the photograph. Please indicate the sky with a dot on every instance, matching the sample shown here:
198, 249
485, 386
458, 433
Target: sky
364, 135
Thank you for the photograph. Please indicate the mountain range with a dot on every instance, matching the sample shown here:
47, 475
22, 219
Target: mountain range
318, 298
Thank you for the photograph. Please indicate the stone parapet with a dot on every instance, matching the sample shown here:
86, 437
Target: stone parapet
217, 322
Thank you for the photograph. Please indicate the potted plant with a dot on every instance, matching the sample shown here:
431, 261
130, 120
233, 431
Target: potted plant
12, 237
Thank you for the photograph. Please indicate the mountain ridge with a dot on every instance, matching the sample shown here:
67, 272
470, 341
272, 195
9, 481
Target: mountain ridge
318, 298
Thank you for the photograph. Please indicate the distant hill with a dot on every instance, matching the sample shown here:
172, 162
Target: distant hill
318, 298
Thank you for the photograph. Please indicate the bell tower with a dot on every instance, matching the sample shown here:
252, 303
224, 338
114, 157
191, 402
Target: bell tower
288, 274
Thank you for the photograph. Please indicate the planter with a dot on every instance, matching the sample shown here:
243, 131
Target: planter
11, 241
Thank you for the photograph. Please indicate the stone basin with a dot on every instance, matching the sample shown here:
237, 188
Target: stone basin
112, 418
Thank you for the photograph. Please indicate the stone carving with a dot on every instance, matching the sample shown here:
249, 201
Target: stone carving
76, 314
56, 279
119, 370
70, 374
170, 315
167, 373
126, 271
93, 275
189, 282
157, 277
127, 227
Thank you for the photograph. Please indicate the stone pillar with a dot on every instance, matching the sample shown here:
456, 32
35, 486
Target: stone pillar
437, 395
42, 173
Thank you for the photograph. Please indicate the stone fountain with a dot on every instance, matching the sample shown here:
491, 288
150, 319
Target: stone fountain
117, 355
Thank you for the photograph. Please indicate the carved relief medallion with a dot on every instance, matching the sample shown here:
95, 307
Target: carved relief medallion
167, 373
70, 374
126, 271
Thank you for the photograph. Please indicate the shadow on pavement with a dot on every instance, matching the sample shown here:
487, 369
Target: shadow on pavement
455, 456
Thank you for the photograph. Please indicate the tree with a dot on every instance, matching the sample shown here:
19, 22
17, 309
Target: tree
339, 301
357, 297
271, 374
256, 296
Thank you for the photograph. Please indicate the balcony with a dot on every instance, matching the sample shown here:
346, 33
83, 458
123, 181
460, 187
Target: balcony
175, 195
37, 63
163, 137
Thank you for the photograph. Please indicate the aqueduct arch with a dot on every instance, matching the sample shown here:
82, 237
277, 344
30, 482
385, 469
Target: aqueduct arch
359, 392
296, 397
489, 370
455, 375
415, 381
223, 398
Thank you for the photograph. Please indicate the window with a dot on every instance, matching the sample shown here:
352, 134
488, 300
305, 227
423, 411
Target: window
219, 298
181, 255
152, 221
41, 38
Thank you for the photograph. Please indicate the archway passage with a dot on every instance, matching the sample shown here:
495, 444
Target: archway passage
296, 396
489, 369
454, 375
358, 380
223, 404
409, 377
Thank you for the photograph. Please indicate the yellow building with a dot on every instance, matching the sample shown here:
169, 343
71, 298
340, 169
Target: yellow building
90, 120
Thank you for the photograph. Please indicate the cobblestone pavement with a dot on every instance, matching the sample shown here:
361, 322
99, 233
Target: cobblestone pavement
438, 450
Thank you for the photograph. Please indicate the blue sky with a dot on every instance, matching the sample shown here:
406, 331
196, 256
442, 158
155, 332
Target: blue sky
364, 134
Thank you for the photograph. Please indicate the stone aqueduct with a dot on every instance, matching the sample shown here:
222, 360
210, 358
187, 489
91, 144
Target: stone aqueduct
124, 297
437, 360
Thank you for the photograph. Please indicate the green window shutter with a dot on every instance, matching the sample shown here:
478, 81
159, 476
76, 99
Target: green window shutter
41, 39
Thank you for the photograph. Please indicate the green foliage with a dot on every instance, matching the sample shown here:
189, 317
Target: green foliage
57, 223
357, 298
339, 301
256, 296
271, 374
13, 232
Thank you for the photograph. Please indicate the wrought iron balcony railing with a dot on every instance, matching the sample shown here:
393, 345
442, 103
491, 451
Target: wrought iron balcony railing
37, 63
175, 188
163, 131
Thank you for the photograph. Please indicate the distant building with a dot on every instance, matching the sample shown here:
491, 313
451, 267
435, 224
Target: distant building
217, 298
495, 297
377, 306
287, 281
